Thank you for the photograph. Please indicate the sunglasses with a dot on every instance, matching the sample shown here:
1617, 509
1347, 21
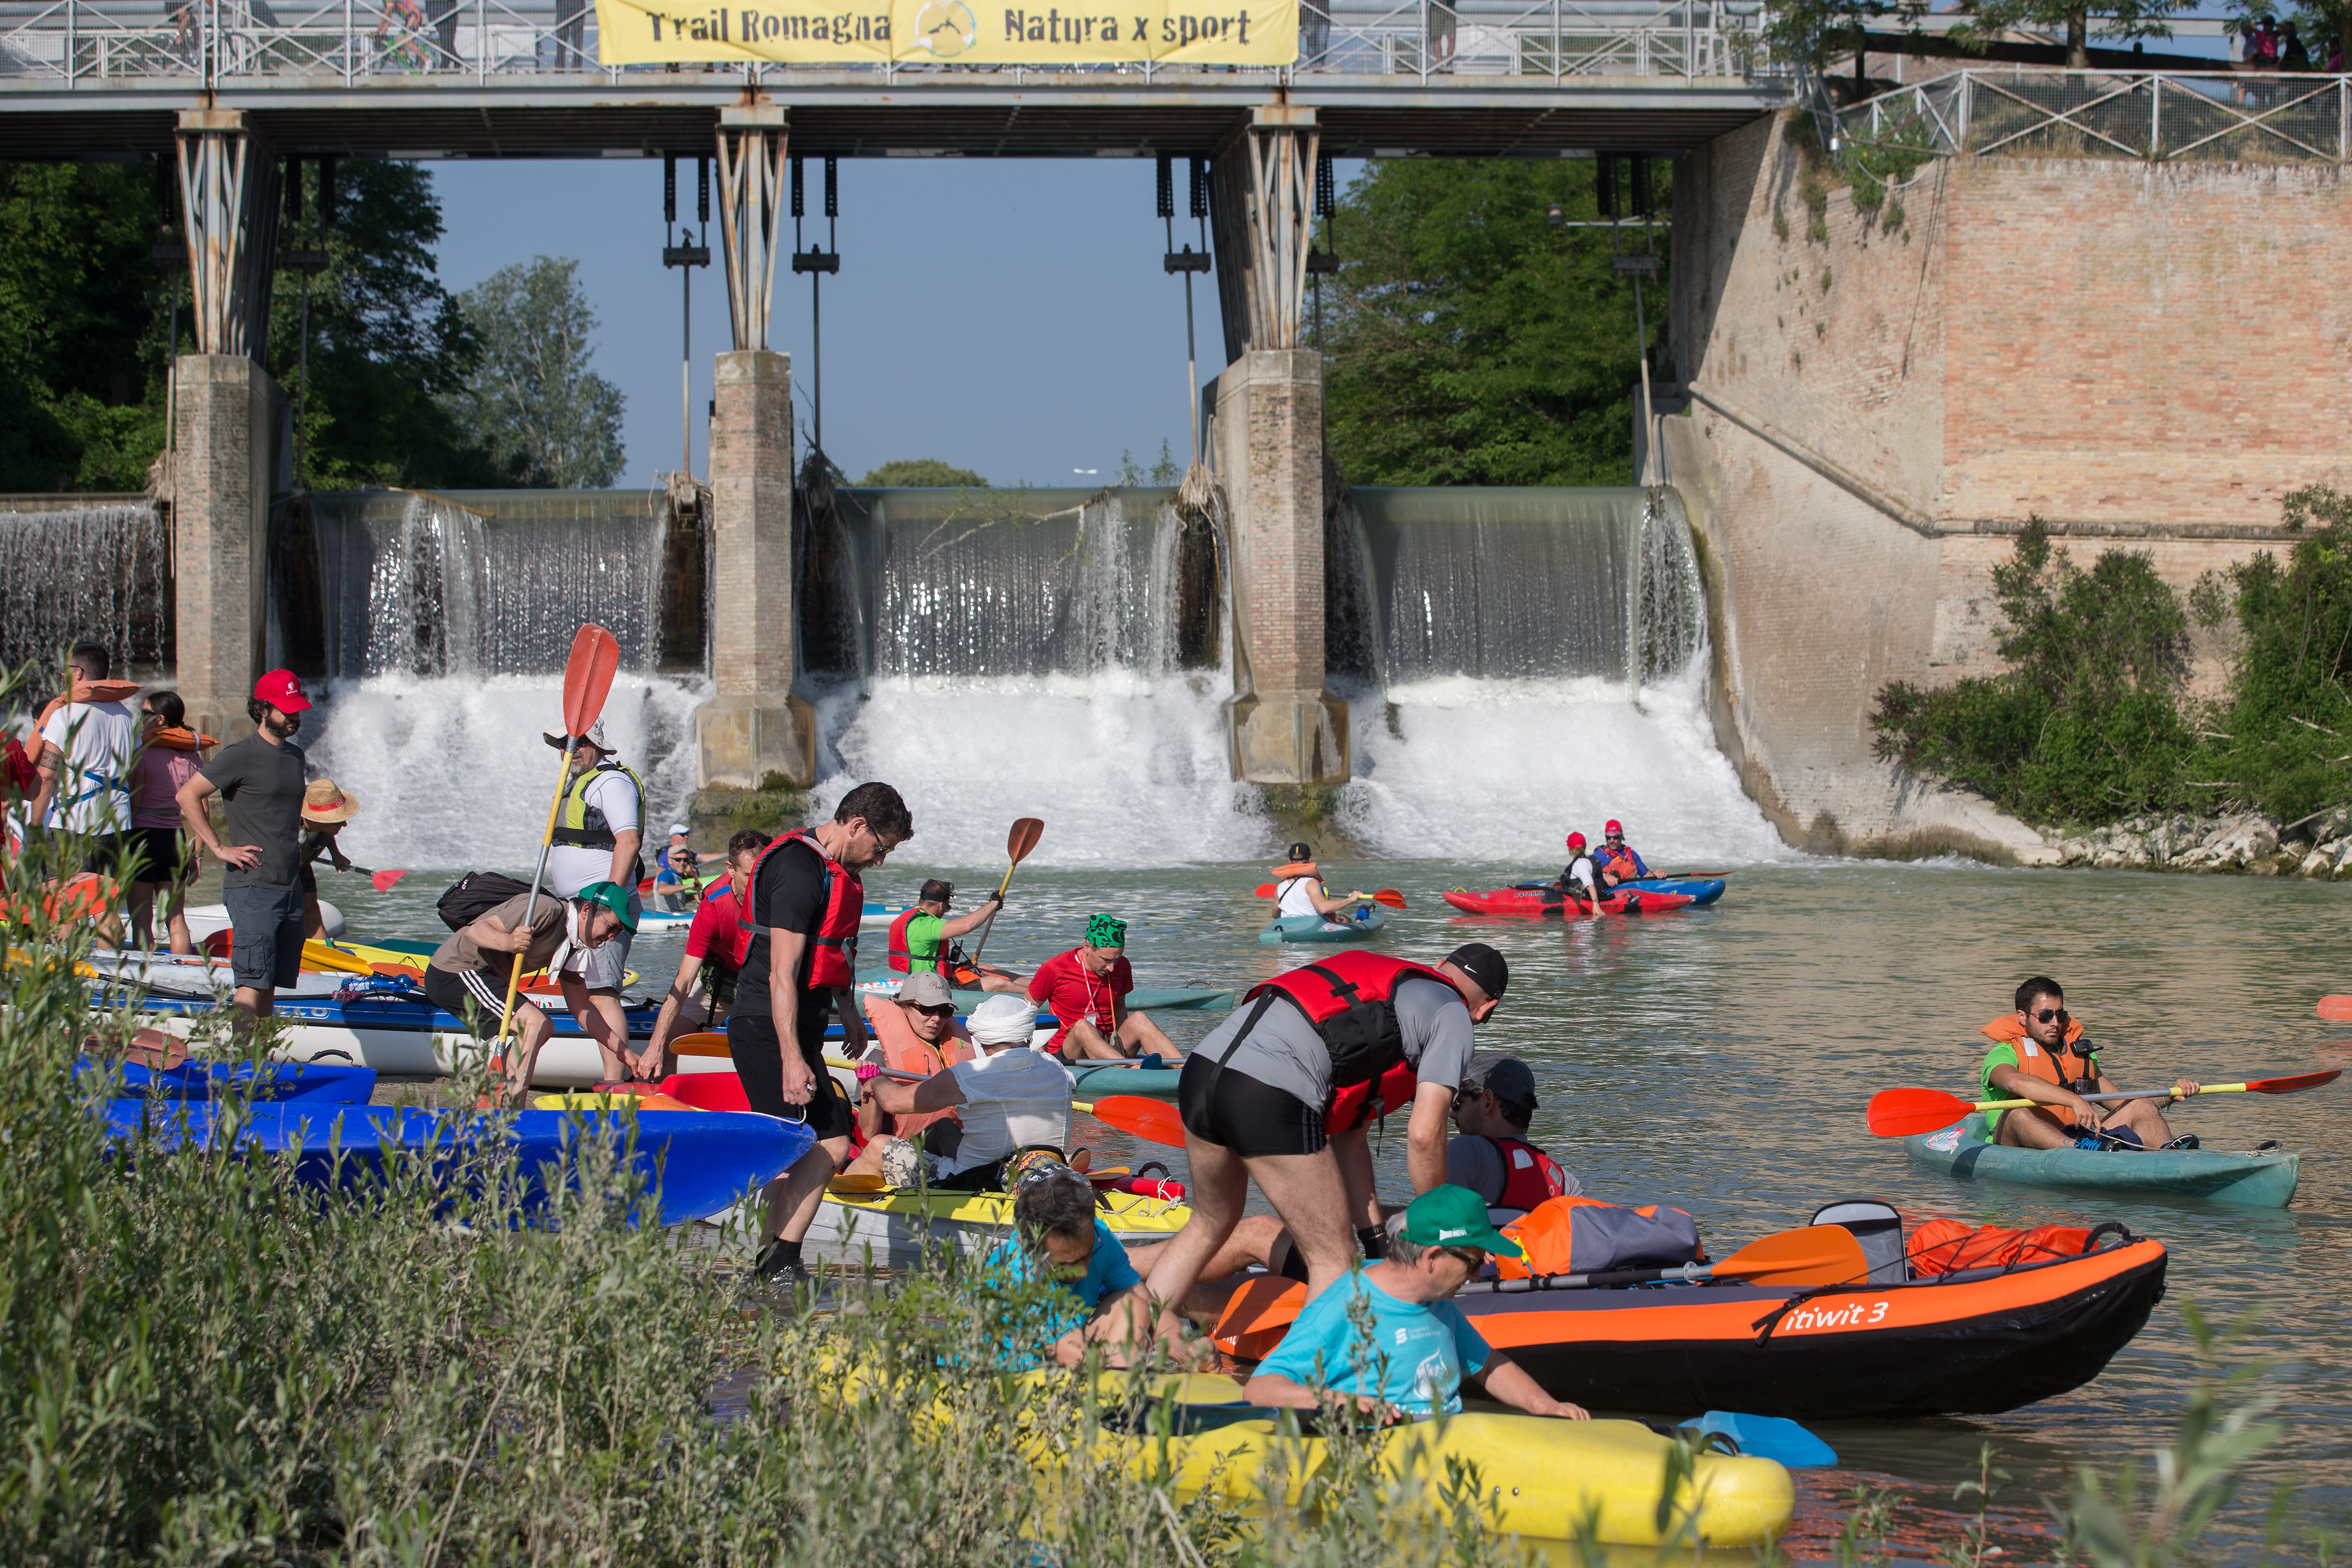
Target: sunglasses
2053, 1016
1468, 1092
943, 1010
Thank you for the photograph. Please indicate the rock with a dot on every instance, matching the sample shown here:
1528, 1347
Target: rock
2273, 865
2074, 851
2317, 864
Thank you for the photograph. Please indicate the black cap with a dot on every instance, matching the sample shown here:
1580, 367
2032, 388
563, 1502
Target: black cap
1508, 1077
936, 892
1483, 965
1301, 850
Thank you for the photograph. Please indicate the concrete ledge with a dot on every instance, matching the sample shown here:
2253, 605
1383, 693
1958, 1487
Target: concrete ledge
740, 741
1289, 738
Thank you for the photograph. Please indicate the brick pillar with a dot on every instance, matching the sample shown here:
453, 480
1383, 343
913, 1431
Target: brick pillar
1286, 730
755, 725
226, 409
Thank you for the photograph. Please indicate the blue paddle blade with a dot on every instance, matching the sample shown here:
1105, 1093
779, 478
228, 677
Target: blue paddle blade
1767, 1437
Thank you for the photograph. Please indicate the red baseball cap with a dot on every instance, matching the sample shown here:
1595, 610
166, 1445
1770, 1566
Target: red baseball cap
282, 691
1576, 841
1613, 828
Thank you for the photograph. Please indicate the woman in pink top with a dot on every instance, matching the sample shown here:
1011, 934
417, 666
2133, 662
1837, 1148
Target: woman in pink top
169, 756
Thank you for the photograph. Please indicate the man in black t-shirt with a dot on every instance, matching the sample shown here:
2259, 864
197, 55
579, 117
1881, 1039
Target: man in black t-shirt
789, 981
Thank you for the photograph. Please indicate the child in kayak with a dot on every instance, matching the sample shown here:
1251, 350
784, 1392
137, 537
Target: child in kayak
1299, 888
1057, 1237
2039, 1054
1419, 1346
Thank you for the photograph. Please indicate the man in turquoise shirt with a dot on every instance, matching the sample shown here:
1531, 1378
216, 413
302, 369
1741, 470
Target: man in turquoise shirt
1421, 1347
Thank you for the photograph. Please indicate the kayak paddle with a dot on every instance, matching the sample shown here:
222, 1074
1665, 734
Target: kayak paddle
1764, 1437
704, 1045
1388, 896
1154, 1122
1018, 843
2336, 1009
382, 880
1905, 1113
587, 681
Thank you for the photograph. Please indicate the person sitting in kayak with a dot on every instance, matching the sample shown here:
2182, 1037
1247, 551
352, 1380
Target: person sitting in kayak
675, 865
1492, 1156
1579, 879
1298, 889
1618, 864
1008, 1097
1084, 987
876, 1145
920, 939
1412, 1361
2039, 1054
703, 993
1058, 1237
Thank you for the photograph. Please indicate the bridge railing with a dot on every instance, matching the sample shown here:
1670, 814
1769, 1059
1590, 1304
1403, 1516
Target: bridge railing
2152, 115
73, 43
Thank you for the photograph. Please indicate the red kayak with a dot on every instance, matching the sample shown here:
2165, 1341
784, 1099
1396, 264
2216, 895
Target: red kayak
1553, 906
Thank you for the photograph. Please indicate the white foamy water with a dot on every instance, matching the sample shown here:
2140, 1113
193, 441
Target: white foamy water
452, 773
1489, 770
1125, 772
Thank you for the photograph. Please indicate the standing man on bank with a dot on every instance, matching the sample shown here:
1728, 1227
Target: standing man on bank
598, 831
259, 780
805, 903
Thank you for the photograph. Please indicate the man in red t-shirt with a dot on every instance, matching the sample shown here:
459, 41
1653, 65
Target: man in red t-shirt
1083, 986
719, 937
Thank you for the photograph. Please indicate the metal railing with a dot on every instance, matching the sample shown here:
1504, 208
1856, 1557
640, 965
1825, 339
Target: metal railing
2153, 116
74, 43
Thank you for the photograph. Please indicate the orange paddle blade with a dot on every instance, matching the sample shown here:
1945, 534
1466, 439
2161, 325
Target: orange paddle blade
1815, 1255
1389, 897
2336, 1010
2294, 1085
701, 1045
588, 678
1150, 1119
1026, 831
857, 1181
1257, 1315
1264, 890
1907, 1112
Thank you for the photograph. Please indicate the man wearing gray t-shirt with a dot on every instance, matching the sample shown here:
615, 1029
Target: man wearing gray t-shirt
1321, 1047
259, 780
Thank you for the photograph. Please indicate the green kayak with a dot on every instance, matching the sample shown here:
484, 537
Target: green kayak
1364, 922
2264, 1177
1095, 1079
1134, 1001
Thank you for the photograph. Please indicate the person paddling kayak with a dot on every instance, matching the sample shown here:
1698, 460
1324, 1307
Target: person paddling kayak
1619, 863
2039, 1054
1579, 879
920, 939
1299, 888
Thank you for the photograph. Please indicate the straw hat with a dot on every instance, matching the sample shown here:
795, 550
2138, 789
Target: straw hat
324, 801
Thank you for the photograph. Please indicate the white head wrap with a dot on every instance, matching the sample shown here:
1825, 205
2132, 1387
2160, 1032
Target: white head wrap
1002, 1021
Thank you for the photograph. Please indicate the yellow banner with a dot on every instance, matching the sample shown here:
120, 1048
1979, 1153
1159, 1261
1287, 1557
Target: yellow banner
967, 32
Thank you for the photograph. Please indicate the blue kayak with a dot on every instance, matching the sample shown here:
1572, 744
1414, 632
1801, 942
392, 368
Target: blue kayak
1092, 1081
1364, 922
705, 1161
1697, 889
2264, 1177
317, 1083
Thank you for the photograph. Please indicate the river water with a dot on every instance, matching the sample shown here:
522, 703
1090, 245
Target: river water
1720, 1060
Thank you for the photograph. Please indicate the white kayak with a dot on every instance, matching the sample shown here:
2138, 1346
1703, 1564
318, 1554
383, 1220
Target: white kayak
205, 920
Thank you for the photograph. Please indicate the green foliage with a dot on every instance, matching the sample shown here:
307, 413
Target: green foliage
2117, 19
82, 308
919, 473
530, 400
1469, 342
2085, 724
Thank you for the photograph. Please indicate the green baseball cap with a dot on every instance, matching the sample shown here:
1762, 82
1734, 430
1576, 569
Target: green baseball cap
614, 897
1455, 1217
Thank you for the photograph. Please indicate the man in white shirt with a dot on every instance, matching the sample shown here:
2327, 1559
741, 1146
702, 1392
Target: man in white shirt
85, 768
1008, 1097
599, 829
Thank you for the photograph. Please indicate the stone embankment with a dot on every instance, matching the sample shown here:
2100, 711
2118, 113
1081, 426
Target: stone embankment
2249, 844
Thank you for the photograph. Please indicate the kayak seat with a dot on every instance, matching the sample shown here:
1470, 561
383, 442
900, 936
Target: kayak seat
1877, 1226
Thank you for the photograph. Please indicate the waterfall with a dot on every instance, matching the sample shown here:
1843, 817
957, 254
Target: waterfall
101, 573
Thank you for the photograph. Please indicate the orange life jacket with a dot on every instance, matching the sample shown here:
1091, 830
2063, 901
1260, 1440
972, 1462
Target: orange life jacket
2067, 1070
1948, 1245
1347, 997
1620, 864
1290, 868
901, 956
833, 946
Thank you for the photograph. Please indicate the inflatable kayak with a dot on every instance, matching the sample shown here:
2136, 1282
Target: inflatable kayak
1095, 1079
1971, 1342
1364, 922
1552, 905
2263, 1178
317, 1083
704, 1162
1697, 889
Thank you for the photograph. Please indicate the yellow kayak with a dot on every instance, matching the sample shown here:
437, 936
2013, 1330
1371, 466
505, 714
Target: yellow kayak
367, 958
894, 1227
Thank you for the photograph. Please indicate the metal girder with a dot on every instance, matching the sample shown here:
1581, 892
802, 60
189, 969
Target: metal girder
751, 143
228, 203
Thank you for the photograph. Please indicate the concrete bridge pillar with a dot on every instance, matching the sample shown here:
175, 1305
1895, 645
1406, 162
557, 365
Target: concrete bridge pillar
1286, 728
755, 725
226, 411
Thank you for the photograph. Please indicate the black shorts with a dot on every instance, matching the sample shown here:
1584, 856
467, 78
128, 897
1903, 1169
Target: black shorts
106, 850
485, 996
1235, 1111
160, 855
751, 1041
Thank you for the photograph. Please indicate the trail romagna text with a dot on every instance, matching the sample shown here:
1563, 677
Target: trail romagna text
966, 32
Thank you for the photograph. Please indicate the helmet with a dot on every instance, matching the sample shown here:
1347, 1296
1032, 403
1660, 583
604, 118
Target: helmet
1576, 841
1613, 828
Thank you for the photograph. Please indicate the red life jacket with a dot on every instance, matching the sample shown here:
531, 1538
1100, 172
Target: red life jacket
1620, 864
1347, 997
1531, 1177
833, 946
902, 957
1360, 1103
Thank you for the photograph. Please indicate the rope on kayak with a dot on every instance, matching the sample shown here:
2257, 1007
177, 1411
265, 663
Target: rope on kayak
1771, 1320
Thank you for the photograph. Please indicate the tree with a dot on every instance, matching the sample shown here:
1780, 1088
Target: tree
1470, 342
1812, 31
2117, 19
922, 473
532, 401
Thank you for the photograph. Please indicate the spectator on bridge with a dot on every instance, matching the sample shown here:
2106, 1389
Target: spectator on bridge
1442, 21
2293, 55
1314, 32
571, 33
444, 15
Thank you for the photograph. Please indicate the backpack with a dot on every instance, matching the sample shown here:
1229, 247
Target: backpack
1583, 1235
476, 894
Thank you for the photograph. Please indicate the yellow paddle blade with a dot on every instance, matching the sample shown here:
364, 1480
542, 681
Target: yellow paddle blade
705, 1045
320, 955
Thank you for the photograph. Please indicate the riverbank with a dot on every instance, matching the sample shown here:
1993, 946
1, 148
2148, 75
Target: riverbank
2246, 843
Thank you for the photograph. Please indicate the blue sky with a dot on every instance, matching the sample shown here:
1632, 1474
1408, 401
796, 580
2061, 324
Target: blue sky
1010, 317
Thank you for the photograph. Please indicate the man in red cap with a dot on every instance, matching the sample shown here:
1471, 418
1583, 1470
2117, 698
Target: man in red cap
261, 782
1583, 873
1618, 864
